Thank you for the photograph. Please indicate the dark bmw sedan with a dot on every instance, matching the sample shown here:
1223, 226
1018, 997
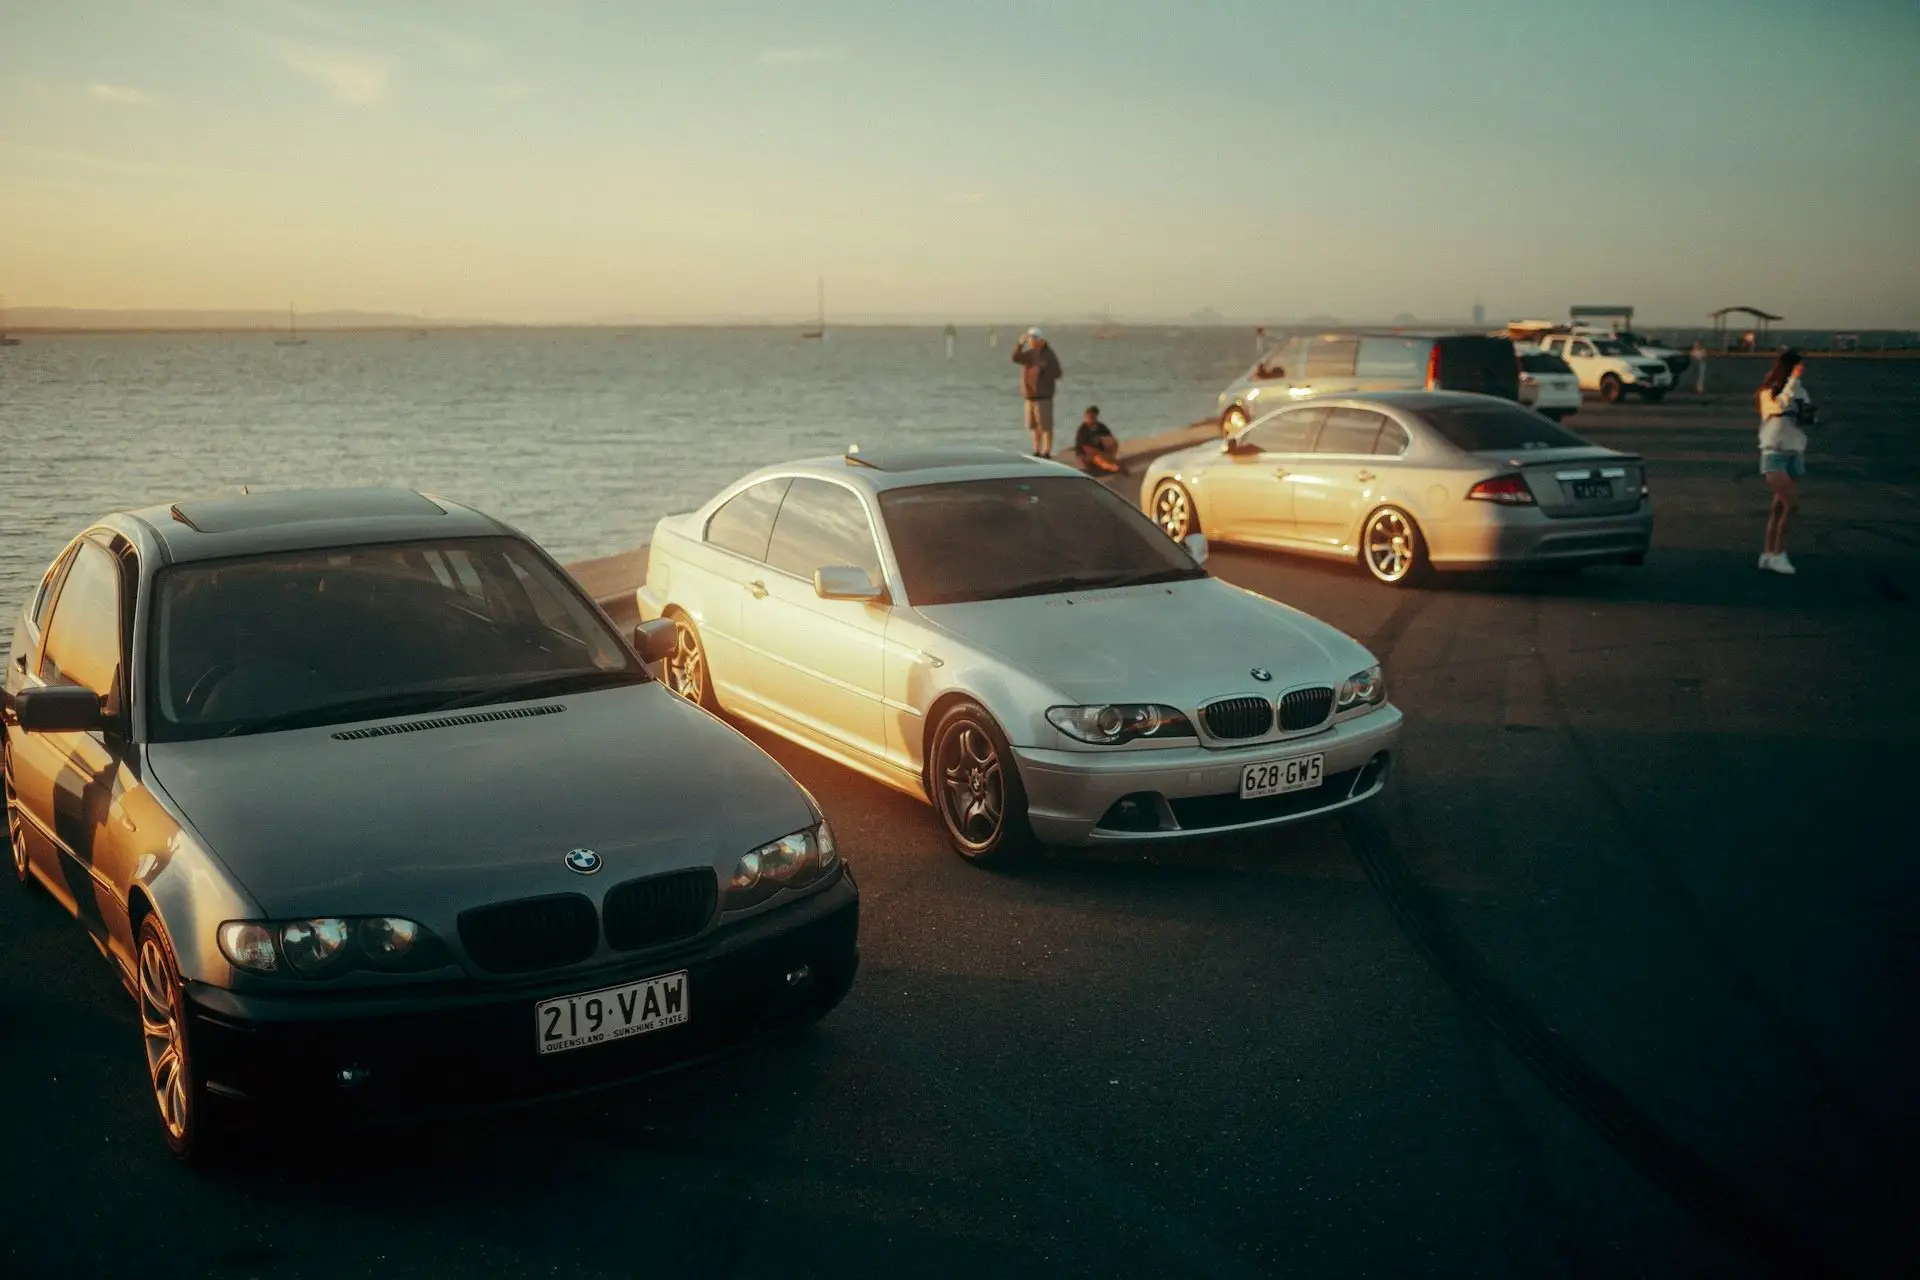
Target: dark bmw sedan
376, 813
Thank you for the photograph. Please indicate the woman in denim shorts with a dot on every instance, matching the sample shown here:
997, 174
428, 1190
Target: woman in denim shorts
1784, 406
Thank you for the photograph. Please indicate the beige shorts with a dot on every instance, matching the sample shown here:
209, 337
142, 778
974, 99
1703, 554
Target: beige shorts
1040, 415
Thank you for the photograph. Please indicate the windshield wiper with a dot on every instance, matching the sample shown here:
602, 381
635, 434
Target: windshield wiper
1174, 573
368, 708
546, 686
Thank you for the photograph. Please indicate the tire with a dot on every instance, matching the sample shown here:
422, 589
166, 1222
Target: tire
195, 1124
1653, 397
975, 787
1173, 510
1232, 420
16, 825
1392, 550
688, 672
1611, 388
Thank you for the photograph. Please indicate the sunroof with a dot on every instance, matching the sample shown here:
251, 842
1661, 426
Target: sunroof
300, 506
924, 459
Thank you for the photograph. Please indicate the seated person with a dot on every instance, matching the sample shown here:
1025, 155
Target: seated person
1268, 369
1095, 445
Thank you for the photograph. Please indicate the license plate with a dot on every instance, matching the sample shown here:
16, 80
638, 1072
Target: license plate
613, 1013
1593, 488
1273, 777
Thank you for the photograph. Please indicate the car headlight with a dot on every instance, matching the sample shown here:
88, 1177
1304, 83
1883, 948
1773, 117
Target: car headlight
1364, 689
1114, 723
327, 946
791, 862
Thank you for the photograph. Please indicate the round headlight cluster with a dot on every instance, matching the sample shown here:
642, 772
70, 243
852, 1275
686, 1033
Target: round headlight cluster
791, 862
326, 946
1363, 689
1114, 723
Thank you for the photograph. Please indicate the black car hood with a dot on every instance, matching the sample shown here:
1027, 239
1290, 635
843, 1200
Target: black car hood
429, 822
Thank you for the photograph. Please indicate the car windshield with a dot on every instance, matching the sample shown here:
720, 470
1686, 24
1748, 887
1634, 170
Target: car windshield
1023, 536
303, 638
1502, 427
1609, 347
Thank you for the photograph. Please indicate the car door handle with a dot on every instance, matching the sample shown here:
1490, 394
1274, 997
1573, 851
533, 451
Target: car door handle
1363, 476
758, 589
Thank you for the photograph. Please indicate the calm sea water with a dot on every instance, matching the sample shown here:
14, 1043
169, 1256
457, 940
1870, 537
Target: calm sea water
580, 438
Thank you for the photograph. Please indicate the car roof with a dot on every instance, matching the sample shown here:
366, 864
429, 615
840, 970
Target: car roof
909, 465
1412, 401
299, 519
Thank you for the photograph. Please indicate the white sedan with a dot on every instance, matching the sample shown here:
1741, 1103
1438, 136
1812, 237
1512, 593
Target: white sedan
1548, 384
1012, 642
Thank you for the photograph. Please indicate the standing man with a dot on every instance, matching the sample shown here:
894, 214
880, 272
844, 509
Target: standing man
1699, 354
1039, 370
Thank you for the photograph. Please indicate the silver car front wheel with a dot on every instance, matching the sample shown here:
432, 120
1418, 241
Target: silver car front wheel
1173, 511
1392, 549
976, 787
687, 673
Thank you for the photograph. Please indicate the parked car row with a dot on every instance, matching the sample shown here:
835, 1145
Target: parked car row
371, 807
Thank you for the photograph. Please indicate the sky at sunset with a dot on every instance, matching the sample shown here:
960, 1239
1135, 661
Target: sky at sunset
555, 160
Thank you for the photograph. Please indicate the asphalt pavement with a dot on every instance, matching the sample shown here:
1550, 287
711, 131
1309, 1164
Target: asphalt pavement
1619, 978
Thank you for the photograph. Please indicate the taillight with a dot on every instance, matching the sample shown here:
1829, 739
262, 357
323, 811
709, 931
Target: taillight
1508, 490
1433, 367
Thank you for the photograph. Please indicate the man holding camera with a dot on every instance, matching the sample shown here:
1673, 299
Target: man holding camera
1039, 371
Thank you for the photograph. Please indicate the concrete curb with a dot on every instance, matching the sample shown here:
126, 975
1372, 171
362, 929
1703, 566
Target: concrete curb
612, 580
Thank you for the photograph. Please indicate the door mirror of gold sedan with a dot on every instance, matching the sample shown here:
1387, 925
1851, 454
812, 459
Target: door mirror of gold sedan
846, 582
60, 708
1235, 446
1196, 545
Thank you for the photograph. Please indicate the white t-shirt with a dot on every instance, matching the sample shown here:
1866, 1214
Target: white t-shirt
1779, 433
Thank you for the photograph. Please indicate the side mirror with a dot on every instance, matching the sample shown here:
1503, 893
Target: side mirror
845, 582
1234, 445
63, 708
1196, 545
656, 640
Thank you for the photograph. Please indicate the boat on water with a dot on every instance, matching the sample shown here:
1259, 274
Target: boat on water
293, 338
819, 332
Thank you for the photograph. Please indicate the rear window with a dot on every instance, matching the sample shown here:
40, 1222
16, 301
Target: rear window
1498, 428
1332, 357
1394, 358
1541, 362
1484, 365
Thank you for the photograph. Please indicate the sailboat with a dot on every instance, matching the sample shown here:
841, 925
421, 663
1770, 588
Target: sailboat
819, 332
293, 338
5, 341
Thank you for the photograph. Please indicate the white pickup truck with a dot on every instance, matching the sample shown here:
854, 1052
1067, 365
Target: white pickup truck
1610, 366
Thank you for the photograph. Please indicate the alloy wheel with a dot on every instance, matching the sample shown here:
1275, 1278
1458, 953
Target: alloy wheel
16, 824
1173, 511
1390, 548
687, 668
973, 790
164, 1036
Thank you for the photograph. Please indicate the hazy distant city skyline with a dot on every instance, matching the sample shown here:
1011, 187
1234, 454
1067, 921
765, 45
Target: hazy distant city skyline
552, 162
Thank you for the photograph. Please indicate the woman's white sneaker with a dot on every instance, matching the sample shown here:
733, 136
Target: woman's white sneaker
1766, 559
1780, 564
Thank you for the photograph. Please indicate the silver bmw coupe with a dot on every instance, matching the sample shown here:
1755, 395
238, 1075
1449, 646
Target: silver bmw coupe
1009, 640
373, 811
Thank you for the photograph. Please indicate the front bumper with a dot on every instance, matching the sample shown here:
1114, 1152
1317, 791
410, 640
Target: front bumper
429, 1051
1484, 535
1074, 797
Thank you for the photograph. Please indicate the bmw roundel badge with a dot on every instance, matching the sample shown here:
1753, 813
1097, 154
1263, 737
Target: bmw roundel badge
1261, 674
583, 861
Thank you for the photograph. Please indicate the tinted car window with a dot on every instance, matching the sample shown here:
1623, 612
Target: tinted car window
83, 639
1541, 362
1498, 426
993, 539
1288, 432
1393, 439
1332, 357
744, 522
1480, 364
822, 525
1349, 431
1393, 358
347, 633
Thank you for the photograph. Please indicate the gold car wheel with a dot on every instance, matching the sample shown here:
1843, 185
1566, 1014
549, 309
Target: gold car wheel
1173, 511
16, 824
1391, 546
687, 668
164, 1036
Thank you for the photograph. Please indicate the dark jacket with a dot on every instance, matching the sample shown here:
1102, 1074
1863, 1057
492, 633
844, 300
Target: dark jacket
1039, 370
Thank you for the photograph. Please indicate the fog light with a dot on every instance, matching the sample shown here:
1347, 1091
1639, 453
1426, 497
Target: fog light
797, 976
351, 1077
